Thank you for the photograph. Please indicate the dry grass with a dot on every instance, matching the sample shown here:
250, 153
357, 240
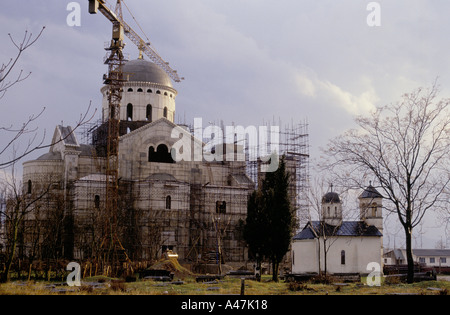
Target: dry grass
101, 286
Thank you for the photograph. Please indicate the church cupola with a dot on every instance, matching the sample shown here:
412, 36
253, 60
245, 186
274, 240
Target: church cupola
332, 208
147, 96
371, 207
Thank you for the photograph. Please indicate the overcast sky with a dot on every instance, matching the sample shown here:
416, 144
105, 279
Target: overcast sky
244, 61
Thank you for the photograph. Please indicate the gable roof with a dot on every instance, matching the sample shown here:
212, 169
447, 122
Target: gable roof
314, 229
159, 121
162, 121
370, 192
65, 135
432, 252
398, 253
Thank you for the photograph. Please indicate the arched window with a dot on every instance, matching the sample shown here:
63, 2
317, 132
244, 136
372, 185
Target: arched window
221, 207
374, 210
130, 112
148, 114
140, 90
161, 155
328, 211
342, 257
151, 154
168, 202
97, 202
158, 92
165, 112
165, 94
29, 186
130, 90
149, 91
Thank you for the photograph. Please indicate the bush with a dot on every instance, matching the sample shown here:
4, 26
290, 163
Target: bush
299, 286
118, 285
323, 279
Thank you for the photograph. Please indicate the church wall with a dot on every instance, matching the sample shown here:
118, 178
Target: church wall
86, 215
140, 100
42, 172
226, 211
162, 222
304, 256
359, 252
134, 159
89, 165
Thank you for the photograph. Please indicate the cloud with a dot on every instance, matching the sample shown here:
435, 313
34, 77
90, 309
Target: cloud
309, 85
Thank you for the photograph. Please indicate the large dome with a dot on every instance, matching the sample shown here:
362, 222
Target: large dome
145, 71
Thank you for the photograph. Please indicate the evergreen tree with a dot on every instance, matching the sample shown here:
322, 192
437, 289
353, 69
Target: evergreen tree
254, 224
270, 218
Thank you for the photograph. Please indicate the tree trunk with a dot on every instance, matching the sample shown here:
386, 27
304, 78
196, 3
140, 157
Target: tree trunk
325, 256
409, 256
318, 256
258, 267
5, 277
275, 265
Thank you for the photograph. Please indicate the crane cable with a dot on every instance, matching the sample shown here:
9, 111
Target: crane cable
137, 23
129, 11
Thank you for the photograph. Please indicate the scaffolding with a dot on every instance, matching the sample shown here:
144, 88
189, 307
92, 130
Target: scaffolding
293, 143
204, 218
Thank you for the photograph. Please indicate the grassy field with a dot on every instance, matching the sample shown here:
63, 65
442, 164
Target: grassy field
102, 286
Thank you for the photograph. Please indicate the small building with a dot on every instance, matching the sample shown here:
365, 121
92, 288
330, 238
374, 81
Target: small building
427, 257
335, 246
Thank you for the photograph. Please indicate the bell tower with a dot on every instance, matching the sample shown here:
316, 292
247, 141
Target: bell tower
371, 207
332, 208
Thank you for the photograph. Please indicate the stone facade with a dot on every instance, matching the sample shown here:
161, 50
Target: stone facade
192, 207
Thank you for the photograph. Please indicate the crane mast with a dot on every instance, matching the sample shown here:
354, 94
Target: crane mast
111, 247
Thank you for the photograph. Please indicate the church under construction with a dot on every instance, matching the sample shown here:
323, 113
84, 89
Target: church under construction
194, 207
190, 207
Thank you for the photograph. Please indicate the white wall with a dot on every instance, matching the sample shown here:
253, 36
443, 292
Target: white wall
359, 252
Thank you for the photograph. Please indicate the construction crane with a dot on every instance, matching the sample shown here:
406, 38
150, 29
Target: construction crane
111, 247
117, 19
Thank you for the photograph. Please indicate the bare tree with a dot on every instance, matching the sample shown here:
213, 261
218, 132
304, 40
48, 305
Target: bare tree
20, 142
19, 205
404, 148
27, 134
7, 69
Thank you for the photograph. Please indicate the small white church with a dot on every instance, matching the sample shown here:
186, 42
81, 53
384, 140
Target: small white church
335, 246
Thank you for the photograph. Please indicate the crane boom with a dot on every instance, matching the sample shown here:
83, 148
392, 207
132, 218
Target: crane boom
100, 5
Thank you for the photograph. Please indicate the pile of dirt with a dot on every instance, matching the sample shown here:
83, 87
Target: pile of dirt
172, 265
